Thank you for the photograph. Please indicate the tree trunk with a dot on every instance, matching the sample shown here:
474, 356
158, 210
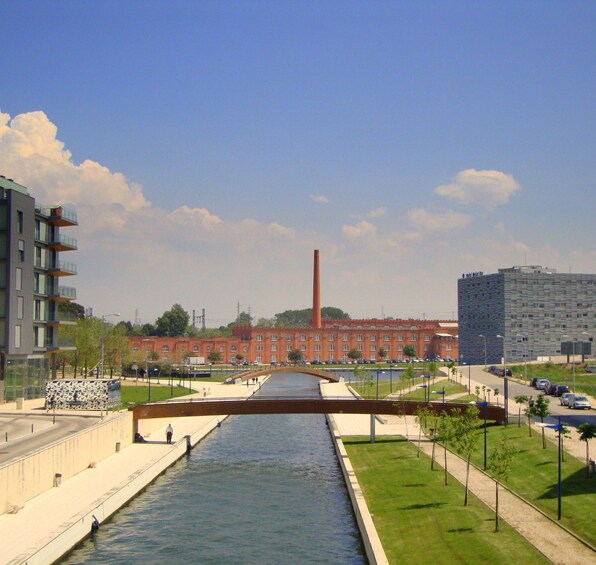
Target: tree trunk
496, 506
445, 450
419, 438
467, 478
432, 456
519, 417
530, 424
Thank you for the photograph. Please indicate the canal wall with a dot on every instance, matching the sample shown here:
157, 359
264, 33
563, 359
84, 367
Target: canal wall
370, 538
41, 470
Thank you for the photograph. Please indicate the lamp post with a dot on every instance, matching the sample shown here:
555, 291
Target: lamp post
484, 338
147, 370
103, 321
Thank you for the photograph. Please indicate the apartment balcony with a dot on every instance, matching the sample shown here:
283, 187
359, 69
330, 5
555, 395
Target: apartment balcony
63, 243
63, 293
60, 344
63, 269
62, 319
58, 215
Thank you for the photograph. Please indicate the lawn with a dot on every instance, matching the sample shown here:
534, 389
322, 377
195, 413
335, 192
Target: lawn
561, 374
140, 394
419, 519
449, 387
534, 477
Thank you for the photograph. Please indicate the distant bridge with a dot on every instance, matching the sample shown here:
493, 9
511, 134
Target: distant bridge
306, 369
277, 405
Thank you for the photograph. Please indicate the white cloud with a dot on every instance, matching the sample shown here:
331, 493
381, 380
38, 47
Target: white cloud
377, 212
427, 221
189, 217
484, 188
320, 198
361, 229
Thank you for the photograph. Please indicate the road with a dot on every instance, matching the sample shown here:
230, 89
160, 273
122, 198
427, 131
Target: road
29, 432
570, 417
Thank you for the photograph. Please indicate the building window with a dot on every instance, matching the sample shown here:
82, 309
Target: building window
17, 337
330, 337
165, 349
288, 347
345, 347
273, 337
317, 337
21, 250
302, 337
274, 348
331, 347
303, 348
259, 348
20, 306
427, 348
373, 347
345, 337
195, 348
19, 279
317, 347
359, 347
400, 347
359, 337
19, 221
234, 348
386, 337
426, 338
373, 338
288, 337
259, 337
245, 349
400, 337
414, 337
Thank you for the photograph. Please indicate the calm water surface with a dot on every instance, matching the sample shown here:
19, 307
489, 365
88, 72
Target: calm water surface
258, 490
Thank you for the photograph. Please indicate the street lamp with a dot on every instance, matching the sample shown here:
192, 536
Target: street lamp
484, 338
103, 320
505, 383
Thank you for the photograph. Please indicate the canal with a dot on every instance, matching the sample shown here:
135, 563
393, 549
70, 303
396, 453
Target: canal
263, 489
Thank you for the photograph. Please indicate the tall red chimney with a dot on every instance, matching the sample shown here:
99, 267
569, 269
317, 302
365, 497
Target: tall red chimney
316, 294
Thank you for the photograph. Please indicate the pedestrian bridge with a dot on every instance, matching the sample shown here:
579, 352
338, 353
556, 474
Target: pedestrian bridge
293, 405
326, 374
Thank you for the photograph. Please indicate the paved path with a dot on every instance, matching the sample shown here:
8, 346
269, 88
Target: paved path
52, 513
554, 542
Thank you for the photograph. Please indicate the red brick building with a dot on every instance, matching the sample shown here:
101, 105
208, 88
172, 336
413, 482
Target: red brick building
323, 340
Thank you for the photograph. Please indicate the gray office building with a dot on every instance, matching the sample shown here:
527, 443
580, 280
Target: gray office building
31, 295
533, 309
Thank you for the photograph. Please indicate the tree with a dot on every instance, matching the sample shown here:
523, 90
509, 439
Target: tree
423, 413
408, 375
239, 357
354, 354
290, 318
173, 322
366, 380
295, 356
446, 430
520, 399
499, 463
540, 410
382, 353
587, 432
410, 351
266, 323
214, 357
116, 349
465, 437
244, 319
432, 367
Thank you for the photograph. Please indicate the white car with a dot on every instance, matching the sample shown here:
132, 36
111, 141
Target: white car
579, 402
565, 398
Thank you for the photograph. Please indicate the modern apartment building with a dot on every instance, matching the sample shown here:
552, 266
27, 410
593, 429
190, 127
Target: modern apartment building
30, 290
533, 309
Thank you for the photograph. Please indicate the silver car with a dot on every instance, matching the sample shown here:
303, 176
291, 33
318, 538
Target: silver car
579, 402
565, 398
541, 383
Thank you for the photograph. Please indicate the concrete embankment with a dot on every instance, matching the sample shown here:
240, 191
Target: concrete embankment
50, 524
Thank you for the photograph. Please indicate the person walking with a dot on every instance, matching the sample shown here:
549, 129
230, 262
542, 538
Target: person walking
169, 433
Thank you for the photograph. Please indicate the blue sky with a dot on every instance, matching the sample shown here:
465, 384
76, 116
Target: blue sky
209, 147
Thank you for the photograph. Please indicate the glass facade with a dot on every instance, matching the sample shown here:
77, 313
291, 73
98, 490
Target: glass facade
26, 378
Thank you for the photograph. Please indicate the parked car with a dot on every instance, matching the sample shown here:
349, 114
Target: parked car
541, 383
533, 381
561, 390
550, 388
579, 402
566, 398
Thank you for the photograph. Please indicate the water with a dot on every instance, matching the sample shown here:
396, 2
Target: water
259, 490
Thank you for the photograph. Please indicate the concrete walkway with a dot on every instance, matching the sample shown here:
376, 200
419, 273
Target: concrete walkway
50, 524
554, 542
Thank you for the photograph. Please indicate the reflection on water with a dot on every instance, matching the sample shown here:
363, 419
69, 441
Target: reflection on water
259, 489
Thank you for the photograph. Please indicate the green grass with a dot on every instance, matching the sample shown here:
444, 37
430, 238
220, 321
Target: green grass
421, 521
140, 394
561, 374
534, 477
449, 386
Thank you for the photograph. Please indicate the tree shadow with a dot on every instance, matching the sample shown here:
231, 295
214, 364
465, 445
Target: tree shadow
575, 484
461, 530
414, 485
423, 506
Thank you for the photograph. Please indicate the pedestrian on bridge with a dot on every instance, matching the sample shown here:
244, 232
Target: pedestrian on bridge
169, 433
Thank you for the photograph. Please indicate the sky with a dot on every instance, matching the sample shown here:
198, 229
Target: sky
209, 147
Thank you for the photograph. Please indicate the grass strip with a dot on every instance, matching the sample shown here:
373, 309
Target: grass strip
419, 519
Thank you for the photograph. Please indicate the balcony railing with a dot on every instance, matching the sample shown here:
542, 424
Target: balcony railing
63, 243
62, 268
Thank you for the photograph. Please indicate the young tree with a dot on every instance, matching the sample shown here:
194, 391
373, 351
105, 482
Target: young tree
239, 358
408, 375
366, 380
423, 413
477, 391
520, 399
295, 356
432, 367
499, 463
541, 410
446, 430
354, 354
410, 351
587, 432
214, 357
382, 353
465, 438
496, 392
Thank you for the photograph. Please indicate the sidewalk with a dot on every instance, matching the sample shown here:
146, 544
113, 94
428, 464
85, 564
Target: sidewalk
56, 520
553, 541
